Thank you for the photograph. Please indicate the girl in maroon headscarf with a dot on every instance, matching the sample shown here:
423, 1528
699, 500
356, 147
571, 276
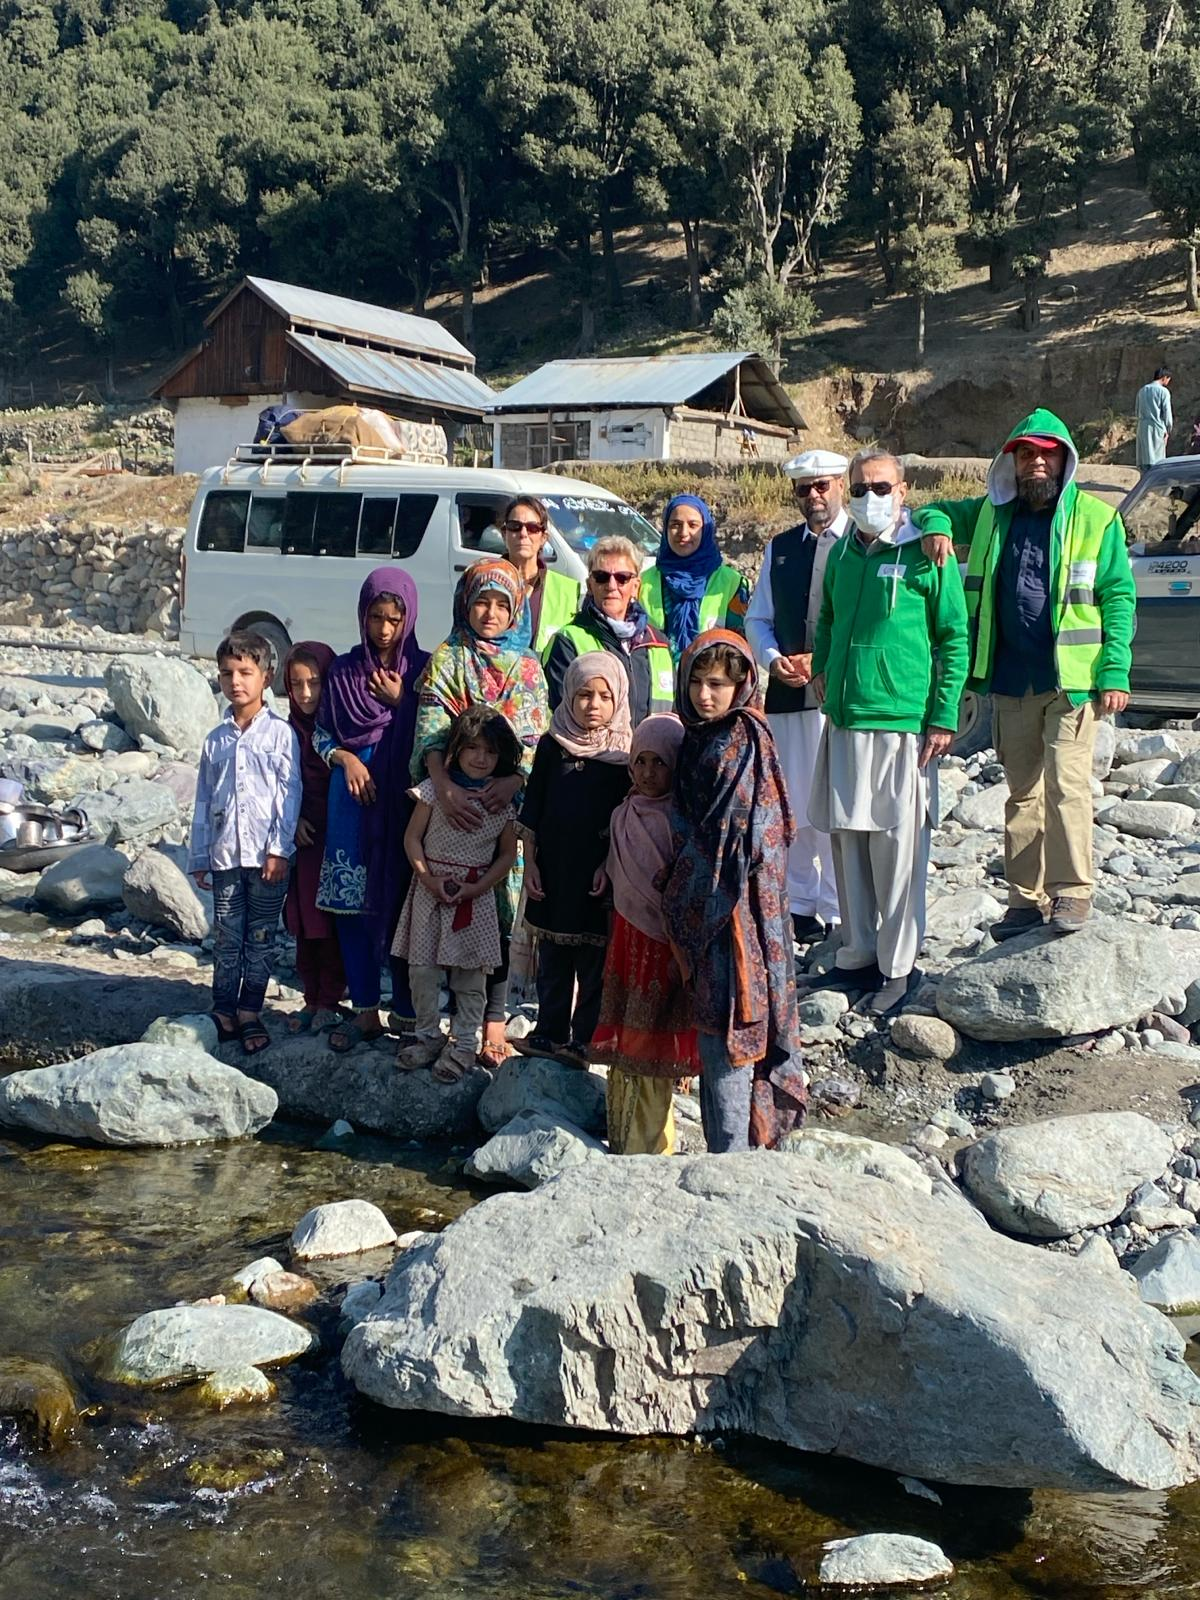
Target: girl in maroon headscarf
318, 956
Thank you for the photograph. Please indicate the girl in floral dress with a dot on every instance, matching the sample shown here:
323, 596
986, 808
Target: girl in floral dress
645, 1033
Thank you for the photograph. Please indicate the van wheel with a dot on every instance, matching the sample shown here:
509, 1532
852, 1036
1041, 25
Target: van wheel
278, 638
974, 725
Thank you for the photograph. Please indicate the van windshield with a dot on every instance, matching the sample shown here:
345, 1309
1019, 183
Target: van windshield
582, 519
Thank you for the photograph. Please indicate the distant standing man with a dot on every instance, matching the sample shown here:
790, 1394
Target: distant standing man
1154, 418
889, 663
1051, 598
781, 626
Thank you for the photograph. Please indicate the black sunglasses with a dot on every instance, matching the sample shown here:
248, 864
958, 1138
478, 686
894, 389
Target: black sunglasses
818, 486
857, 489
605, 578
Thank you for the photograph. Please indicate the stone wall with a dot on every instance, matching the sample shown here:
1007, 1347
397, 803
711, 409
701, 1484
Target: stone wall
698, 437
125, 578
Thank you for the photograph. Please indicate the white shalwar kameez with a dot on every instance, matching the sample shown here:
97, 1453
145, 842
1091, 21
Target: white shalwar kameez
812, 888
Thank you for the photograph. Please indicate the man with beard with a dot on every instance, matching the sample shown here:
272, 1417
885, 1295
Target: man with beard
1051, 600
781, 625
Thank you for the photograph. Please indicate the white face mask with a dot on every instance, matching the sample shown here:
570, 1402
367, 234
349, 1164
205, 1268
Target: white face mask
873, 513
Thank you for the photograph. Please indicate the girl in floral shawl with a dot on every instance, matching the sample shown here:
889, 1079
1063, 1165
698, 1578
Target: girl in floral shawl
481, 663
725, 901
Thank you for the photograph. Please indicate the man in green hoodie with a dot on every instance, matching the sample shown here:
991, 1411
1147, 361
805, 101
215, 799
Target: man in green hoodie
1051, 601
889, 660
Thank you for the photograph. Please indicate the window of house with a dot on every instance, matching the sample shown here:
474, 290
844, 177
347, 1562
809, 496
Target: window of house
537, 444
223, 520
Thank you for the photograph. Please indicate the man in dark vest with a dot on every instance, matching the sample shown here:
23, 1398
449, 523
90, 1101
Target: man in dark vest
780, 625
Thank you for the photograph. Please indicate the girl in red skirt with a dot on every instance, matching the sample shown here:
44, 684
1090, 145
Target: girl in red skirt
644, 1033
318, 955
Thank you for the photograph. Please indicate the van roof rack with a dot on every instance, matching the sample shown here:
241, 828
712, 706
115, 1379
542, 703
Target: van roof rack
332, 453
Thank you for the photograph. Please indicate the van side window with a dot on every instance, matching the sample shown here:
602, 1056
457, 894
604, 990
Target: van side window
298, 513
478, 519
223, 520
412, 518
265, 531
336, 531
375, 528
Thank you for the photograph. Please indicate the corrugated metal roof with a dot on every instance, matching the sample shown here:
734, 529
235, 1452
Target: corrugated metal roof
332, 311
379, 372
651, 381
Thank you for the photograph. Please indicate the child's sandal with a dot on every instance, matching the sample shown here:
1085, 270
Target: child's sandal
227, 1032
254, 1037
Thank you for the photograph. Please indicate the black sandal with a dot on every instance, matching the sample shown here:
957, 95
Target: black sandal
254, 1037
227, 1032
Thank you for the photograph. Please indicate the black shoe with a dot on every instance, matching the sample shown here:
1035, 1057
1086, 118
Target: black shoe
855, 981
1016, 920
891, 994
807, 930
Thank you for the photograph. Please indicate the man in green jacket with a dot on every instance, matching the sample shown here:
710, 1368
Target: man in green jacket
889, 661
1051, 601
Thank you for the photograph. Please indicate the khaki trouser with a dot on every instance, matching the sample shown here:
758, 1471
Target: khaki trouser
1045, 746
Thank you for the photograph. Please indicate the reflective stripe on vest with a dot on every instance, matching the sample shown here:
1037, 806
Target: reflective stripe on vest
719, 593
662, 668
561, 599
1076, 541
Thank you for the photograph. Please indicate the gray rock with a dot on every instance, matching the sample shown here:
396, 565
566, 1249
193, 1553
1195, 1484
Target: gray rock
797, 1296
1136, 744
822, 1008
950, 916
236, 1386
52, 1011
927, 1037
1151, 819
157, 892
101, 735
1181, 794
183, 1343
983, 810
1148, 774
138, 1094
530, 1150
997, 1086
195, 1032
1168, 1274
164, 698
1104, 749
359, 1300
1040, 986
532, 1083
1050, 1179
887, 1558
91, 877
341, 1228
255, 1271
142, 807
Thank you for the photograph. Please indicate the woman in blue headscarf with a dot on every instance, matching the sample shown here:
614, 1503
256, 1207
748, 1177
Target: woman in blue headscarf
690, 588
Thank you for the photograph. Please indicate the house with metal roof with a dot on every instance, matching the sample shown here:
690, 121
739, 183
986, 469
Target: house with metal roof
717, 406
270, 343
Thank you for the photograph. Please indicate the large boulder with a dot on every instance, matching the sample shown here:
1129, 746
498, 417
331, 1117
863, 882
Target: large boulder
164, 698
537, 1084
158, 892
138, 1094
1050, 1179
1150, 819
950, 916
91, 878
341, 1228
50, 1011
1168, 1274
1044, 986
823, 1298
183, 1343
531, 1149
984, 809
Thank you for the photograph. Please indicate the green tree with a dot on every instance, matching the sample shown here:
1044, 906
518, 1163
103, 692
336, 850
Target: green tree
88, 297
1170, 130
759, 316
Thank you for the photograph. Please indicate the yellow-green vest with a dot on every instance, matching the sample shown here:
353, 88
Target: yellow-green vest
561, 599
721, 590
662, 668
1076, 537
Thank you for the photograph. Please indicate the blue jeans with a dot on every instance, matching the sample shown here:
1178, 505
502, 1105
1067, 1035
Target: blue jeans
725, 1095
245, 917
361, 940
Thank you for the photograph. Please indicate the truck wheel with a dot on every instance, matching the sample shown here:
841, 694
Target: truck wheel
974, 725
277, 637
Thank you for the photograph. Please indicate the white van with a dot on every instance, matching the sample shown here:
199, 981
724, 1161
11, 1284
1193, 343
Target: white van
280, 538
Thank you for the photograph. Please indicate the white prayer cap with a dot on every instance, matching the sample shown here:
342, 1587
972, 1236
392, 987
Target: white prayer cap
816, 464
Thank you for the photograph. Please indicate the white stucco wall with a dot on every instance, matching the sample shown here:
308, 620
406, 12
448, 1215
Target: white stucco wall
207, 432
615, 435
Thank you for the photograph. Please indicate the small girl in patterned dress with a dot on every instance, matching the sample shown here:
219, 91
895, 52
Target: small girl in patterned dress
449, 922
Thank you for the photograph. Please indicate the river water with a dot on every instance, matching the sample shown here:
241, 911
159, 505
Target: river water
320, 1493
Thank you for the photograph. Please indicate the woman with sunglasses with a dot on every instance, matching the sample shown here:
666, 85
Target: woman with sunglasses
691, 588
612, 618
551, 598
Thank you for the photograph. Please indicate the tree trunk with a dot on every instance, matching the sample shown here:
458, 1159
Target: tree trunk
1193, 295
882, 242
999, 267
777, 353
468, 313
1031, 309
1080, 200
920, 327
691, 242
612, 278
587, 304
110, 386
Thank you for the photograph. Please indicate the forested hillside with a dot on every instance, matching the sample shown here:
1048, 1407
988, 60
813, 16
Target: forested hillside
152, 151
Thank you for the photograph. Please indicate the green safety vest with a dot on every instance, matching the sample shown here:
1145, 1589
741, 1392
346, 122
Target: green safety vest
721, 590
561, 599
1076, 537
662, 668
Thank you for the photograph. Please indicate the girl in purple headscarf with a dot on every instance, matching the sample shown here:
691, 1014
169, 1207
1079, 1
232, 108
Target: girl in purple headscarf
365, 733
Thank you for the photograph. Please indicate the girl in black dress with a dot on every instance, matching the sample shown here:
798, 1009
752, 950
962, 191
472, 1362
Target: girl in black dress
580, 776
